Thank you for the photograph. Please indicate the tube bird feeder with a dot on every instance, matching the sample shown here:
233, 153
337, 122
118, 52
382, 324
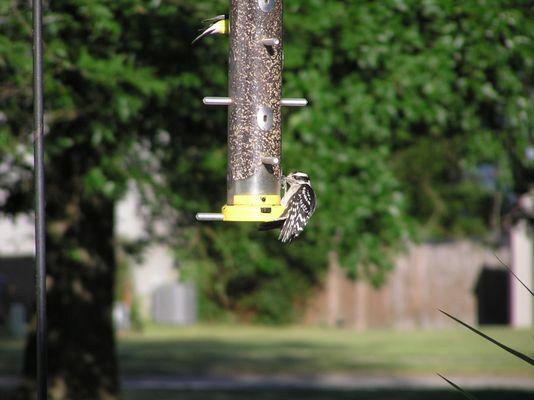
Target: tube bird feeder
254, 113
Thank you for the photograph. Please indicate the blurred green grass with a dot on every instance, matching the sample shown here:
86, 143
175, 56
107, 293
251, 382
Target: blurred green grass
322, 395
234, 350
10, 356
308, 395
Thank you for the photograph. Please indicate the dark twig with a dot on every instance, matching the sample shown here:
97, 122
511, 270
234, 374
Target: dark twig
516, 353
458, 388
512, 272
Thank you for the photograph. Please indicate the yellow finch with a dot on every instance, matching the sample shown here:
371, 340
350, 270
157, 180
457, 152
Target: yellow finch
220, 25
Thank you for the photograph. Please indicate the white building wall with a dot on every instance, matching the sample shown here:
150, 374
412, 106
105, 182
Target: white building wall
128, 222
156, 267
17, 236
156, 270
522, 302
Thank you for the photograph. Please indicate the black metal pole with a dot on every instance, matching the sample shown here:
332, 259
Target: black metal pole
40, 247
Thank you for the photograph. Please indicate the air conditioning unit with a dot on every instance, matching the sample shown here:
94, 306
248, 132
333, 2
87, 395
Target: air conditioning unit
175, 304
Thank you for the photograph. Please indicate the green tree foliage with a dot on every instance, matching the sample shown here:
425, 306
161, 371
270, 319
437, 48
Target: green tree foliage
425, 91
101, 100
409, 99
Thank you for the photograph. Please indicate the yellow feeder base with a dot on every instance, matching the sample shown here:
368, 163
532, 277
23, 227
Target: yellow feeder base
253, 208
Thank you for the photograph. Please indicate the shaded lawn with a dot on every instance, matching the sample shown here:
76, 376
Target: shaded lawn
309, 395
10, 356
324, 395
234, 350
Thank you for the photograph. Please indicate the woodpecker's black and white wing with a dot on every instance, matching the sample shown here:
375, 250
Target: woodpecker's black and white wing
300, 208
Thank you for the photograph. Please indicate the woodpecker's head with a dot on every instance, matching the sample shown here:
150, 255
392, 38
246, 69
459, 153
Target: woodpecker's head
297, 178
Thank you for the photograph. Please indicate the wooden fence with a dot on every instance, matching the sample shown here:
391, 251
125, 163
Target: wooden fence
462, 277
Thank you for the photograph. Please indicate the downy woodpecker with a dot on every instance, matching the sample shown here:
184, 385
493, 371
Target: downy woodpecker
300, 204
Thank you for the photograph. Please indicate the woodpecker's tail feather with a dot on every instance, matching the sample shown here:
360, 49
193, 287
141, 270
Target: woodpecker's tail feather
267, 226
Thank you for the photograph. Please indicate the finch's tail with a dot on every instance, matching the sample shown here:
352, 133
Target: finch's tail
210, 31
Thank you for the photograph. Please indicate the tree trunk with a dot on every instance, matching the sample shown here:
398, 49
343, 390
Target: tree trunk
81, 264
